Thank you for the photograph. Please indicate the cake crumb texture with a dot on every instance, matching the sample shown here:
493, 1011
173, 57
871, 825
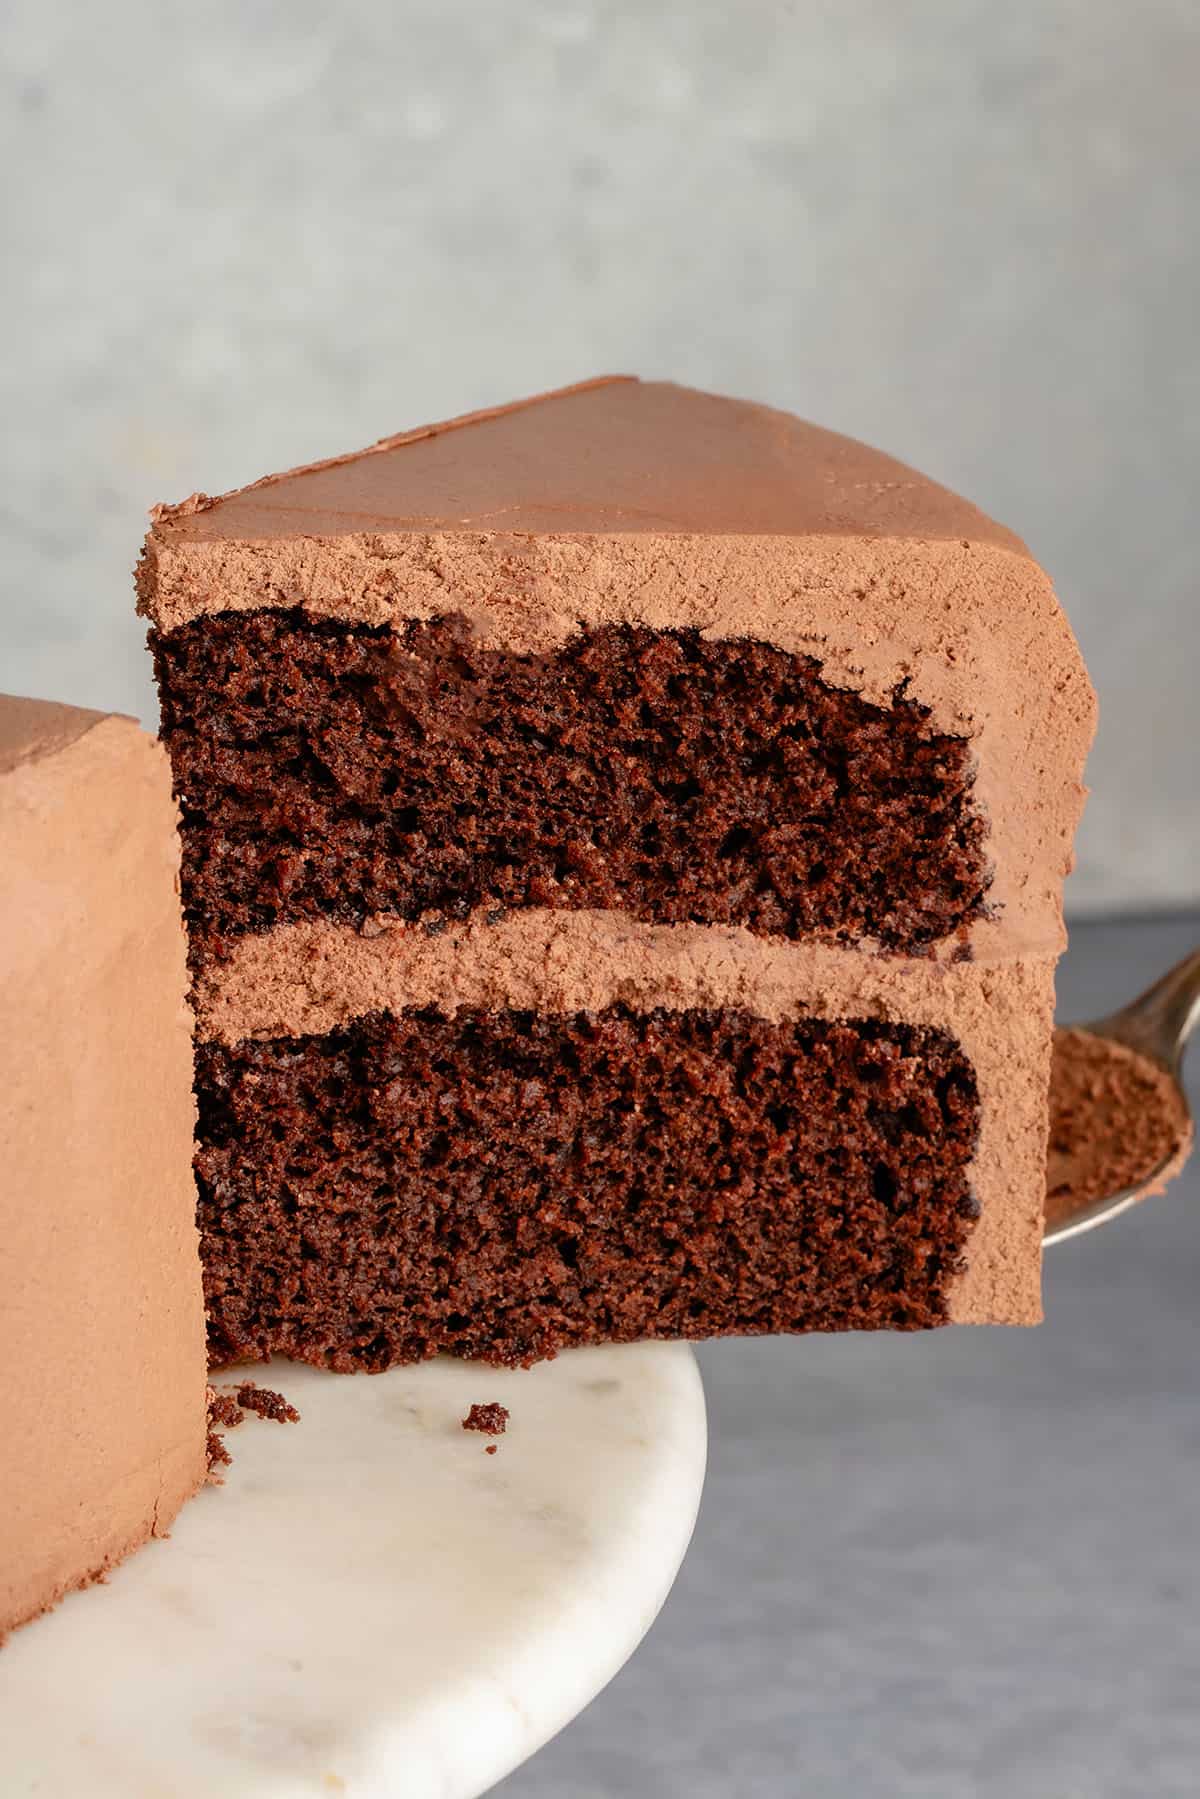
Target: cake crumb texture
489, 1417
338, 772
266, 1403
500, 1185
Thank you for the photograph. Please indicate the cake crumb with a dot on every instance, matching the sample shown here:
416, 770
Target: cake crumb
217, 1455
223, 1409
493, 1419
491, 1449
225, 1414
227, 1410
266, 1403
216, 1452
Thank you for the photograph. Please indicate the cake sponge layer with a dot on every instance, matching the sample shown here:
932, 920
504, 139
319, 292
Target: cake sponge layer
336, 771
505, 1184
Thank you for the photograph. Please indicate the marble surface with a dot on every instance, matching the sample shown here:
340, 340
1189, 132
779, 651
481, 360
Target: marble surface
954, 1566
372, 1605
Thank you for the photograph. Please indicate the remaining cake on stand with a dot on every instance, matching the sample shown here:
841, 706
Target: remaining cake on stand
102, 1359
623, 846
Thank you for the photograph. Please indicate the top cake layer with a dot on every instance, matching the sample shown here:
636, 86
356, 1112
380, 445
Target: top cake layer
648, 507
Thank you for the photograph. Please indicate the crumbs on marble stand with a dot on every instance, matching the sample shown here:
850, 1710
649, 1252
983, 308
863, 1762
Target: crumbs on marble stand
490, 1418
227, 1409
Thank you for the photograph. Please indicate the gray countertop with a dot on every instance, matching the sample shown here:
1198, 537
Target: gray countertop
943, 1566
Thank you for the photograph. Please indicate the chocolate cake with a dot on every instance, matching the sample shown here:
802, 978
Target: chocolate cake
102, 1354
623, 839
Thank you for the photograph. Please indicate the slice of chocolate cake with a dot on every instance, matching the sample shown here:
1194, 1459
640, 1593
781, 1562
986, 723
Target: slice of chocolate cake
623, 845
102, 1361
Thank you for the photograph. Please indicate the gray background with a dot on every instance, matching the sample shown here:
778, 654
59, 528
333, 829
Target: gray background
240, 235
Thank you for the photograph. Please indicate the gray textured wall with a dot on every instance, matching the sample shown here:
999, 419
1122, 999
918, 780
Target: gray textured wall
241, 235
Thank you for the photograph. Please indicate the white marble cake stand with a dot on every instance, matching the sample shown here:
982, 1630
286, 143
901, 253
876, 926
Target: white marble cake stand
372, 1605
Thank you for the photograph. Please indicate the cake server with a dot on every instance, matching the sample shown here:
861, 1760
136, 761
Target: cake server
1157, 1026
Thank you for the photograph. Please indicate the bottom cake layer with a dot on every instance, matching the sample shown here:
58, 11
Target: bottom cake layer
505, 1184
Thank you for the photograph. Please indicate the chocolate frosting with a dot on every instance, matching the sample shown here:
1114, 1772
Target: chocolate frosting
612, 454
33, 729
102, 1355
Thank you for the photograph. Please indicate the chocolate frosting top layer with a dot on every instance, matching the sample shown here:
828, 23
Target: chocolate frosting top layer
611, 455
32, 729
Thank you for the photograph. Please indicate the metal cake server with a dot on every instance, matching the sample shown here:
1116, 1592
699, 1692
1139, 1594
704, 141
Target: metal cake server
1157, 1026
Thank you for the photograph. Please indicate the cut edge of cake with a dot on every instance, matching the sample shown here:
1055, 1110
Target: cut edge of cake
841, 558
